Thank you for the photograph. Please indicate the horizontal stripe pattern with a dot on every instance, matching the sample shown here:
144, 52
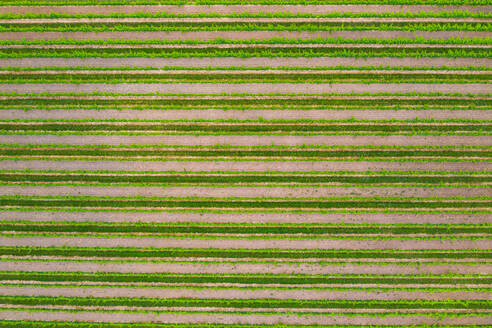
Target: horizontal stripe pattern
257, 163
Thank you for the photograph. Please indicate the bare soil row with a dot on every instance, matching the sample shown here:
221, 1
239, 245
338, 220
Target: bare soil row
238, 191
380, 218
292, 319
234, 293
236, 35
250, 114
259, 268
249, 166
245, 62
211, 140
229, 9
325, 243
214, 88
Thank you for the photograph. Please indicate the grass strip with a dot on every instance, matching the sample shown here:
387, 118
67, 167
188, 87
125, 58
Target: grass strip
189, 253
221, 179
297, 279
110, 77
190, 228
244, 26
246, 303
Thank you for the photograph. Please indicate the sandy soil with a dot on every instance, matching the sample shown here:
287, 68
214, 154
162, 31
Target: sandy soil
250, 114
246, 140
252, 166
237, 293
275, 268
190, 88
224, 9
246, 62
242, 243
242, 191
246, 319
236, 35
449, 218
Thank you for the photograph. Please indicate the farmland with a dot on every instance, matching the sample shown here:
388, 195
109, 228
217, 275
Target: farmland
240, 164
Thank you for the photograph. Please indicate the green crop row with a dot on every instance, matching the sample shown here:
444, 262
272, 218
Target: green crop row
246, 303
236, 278
274, 40
288, 51
181, 178
110, 77
240, 128
243, 26
73, 227
245, 68
190, 253
268, 204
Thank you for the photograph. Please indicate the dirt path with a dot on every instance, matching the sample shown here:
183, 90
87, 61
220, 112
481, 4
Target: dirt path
250, 166
214, 88
233, 293
227, 9
293, 319
250, 114
381, 218
232, 191
246, 62
324, 243
247, 140
276, 268
236, 35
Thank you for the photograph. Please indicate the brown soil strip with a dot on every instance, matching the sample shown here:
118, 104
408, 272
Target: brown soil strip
238, 46
243, 319
235, 191
381, 218
260, 268
252, 166
150, 73
238, 293
250, 114
240, 243
229, 9
190, 88
237, 35
242, 20
247, 140
246, 62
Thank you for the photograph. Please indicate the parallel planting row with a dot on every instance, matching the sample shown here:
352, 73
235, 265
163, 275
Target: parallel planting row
240, 164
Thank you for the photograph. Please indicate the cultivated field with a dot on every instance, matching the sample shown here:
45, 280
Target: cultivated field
245, 163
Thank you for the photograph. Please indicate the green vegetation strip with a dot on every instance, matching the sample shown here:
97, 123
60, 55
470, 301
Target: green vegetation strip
246, 303
244, 228
190, 253
110, 77
243, 26
246, 203
273, 40
287, 51
297, 279
180, 178
239, 153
